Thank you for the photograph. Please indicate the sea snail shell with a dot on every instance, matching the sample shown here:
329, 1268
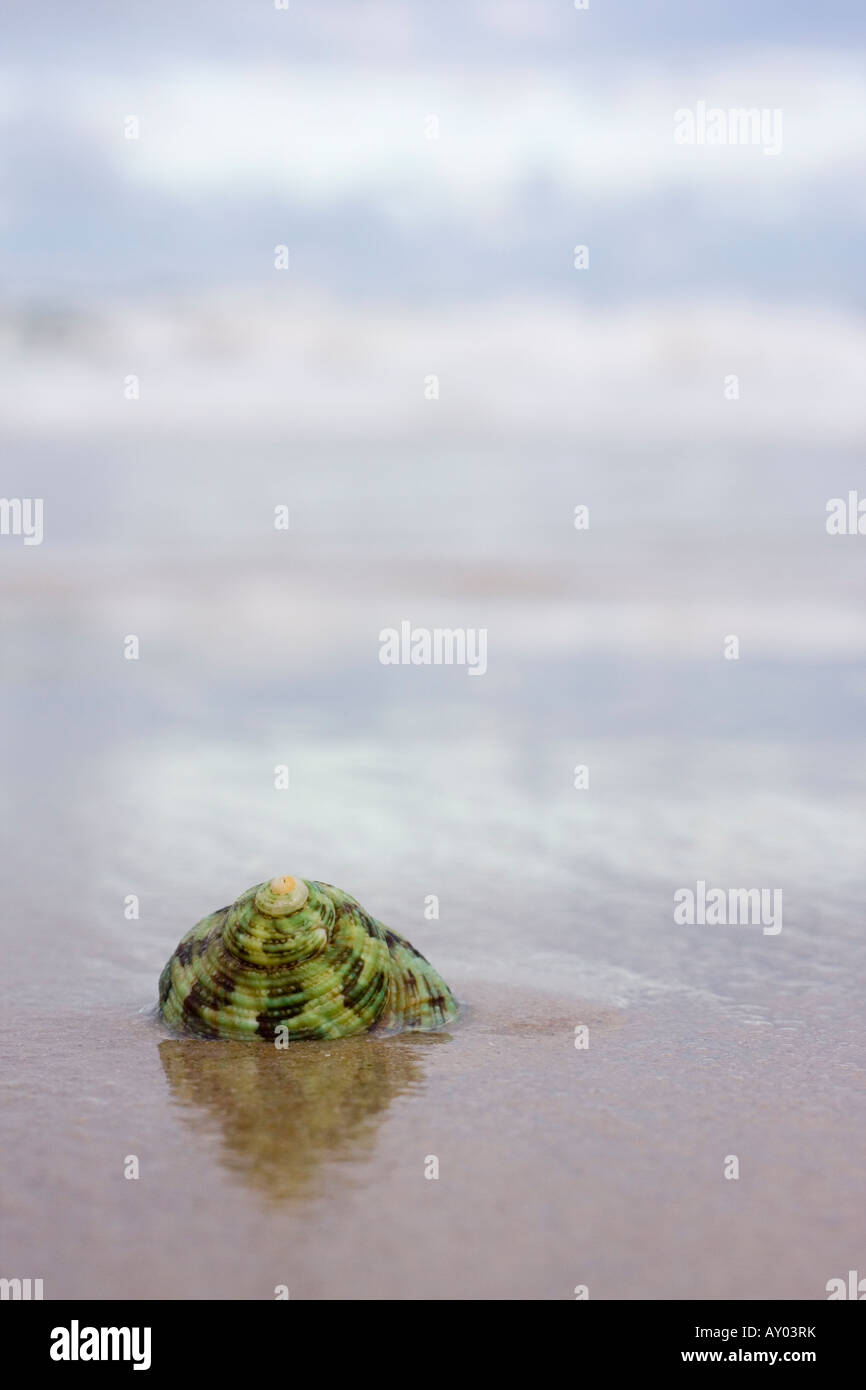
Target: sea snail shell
302, 956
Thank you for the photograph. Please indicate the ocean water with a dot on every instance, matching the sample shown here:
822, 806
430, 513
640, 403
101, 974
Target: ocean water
154, 779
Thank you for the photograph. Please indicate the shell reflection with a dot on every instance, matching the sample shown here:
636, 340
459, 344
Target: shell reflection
286, 1115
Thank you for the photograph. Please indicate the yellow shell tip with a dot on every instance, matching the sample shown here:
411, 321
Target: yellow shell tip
280, 897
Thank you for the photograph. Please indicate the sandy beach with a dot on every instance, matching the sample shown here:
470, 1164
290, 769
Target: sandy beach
557, 1167
602, 1166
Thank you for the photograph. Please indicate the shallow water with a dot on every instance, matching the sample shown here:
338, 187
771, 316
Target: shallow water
557, 1166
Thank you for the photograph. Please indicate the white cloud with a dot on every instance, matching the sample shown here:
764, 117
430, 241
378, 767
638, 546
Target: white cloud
319, 133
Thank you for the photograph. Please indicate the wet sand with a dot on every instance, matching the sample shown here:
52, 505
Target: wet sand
557, 1166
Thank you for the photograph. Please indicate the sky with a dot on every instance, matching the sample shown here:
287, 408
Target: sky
433, 173
310, 128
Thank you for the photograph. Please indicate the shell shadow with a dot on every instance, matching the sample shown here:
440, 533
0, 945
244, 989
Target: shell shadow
285, 1116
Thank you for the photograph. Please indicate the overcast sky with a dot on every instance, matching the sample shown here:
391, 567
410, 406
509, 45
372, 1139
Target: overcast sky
453, 255
310, 128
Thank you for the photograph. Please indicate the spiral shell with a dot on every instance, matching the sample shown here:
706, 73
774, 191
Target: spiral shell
300, 956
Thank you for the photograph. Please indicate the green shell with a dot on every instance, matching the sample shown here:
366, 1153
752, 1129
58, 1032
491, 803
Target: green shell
293, 958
